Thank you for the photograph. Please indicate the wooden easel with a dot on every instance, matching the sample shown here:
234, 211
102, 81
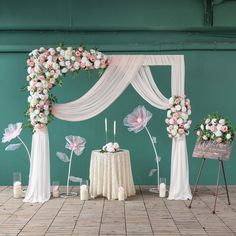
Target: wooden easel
213, 151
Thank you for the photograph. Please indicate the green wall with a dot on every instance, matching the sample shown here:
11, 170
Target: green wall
143, 29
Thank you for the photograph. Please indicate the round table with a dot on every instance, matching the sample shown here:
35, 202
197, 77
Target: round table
108, 172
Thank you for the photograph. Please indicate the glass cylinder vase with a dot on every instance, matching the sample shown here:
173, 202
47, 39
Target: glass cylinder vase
17, 188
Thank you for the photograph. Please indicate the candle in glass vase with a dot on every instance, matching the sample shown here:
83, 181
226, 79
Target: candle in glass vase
162, 187
55, 189
121, 194
84, 192
17, 191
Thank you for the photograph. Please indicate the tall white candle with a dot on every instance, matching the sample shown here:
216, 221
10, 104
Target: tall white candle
162, 190
106, 125
114, 127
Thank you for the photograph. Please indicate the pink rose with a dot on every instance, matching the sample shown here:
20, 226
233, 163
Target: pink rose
53, 52
77, 53
83, 66
177, 101
181, 131
46, 54
38, 106
184, 109
170, 136
183, 96
175, 120
171, 127
224, 128
33, 123
213, 128
61, 58
181, 126
92, 58
81, 49
175, 115
167, 121
91, 67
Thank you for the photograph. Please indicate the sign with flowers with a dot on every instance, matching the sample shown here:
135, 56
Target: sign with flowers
217, 128
46, 68
178, 116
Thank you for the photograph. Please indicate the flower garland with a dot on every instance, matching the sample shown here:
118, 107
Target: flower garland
178, 116
217, 128
46, 67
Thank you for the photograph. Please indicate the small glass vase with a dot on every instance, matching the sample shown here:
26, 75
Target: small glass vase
17, 188
55, 189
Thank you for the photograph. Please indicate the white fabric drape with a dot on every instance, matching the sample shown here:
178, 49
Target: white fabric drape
123, 70
39, 179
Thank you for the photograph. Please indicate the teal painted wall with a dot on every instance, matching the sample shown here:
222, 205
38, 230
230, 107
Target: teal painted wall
210, 76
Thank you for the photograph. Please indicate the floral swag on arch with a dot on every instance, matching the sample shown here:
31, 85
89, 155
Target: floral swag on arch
47, 66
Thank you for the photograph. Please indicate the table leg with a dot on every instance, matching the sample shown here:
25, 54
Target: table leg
196, 184
226, 186
217, 187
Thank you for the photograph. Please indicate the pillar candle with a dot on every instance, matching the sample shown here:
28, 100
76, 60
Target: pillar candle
83, 192
162, 192
17, 191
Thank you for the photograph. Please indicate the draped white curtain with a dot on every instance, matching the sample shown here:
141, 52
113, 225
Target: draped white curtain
122, 71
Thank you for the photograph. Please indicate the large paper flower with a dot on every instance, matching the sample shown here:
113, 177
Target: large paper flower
138, 119
11, 132
76, 144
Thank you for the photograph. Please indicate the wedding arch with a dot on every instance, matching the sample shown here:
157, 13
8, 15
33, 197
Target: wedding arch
121, 71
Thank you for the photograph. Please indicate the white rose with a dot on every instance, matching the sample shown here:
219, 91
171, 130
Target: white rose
213, 121
62, 63
36, 112
207, 121
171, 121
169, 113
76, 65
84, 60
178, 107
92, 51
99, 55
189, 112
202, 127
173, 132
180, 121
187, 126
116, 146
218, 133
46, 113
219, 127
49, 58
29, 70
171, 100
173, 109
97, 64
47, 74
222, 121
176, 127
88, 63
208, 127
64, 70
72, 58
228, 136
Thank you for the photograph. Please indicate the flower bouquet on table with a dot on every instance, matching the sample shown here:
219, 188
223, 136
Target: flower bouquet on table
215, 135
77, 145
178, 116
111, 147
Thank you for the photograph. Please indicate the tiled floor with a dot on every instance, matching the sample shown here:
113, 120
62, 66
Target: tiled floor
145, 214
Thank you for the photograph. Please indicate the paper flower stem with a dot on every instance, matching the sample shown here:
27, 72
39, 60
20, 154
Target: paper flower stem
157, 158
26, 148
68, 177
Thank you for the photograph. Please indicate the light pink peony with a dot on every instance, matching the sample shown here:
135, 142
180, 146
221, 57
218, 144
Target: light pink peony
11, 132
76, 144
138, 119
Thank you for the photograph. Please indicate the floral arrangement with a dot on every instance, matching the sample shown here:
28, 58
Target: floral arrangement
111, 147
217, 128
11, 132
136, 122
75, 144
178, 116
46, 67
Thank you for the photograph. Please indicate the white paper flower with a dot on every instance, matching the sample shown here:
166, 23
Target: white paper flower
11, 132
75, 143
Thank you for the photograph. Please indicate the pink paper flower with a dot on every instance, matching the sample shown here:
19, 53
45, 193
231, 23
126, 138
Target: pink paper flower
76, 144
138, 119
11, 132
